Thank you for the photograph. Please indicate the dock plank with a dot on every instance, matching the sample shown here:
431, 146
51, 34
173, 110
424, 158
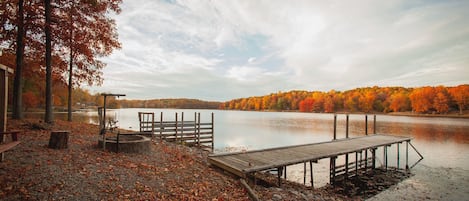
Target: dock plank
241, 163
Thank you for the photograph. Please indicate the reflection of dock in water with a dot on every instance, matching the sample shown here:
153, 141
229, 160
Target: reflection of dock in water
360, 155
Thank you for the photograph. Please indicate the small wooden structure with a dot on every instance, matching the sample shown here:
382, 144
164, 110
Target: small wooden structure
4, 146
191, 133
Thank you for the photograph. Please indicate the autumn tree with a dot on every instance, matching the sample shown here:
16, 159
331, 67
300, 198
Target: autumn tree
399, 102
440, 103
89, 33
366, 101
18, 82
306, 105
422, 99
460, 94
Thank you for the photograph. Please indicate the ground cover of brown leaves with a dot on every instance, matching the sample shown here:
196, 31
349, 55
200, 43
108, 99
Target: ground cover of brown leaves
31, 171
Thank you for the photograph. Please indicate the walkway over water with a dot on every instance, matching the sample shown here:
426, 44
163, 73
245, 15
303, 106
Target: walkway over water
244, 163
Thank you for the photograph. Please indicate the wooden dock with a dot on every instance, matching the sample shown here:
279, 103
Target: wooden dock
247, 163
191, 133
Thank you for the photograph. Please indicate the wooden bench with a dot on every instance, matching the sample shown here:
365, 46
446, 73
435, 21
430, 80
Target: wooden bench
14, 137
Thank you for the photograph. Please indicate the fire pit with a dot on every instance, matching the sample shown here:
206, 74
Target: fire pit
127, 144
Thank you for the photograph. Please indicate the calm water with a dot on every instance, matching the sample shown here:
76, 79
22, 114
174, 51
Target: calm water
444, 142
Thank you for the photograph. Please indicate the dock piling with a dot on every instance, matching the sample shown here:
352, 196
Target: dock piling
366, 124
311, 173
346, 126
374, 124
335, 126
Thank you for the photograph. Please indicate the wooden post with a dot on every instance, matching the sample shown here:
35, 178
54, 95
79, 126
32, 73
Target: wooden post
373, 157
397, 155
366, 124
4, 70
335, 126
356, 162
213, 132
285, 172
407, 155
346, 166
182, 127
161, 125
279, 171
195, 128
304, 173
385, 157
59, 139
198, 129
366, 159
311, 173
176, 126
374, 124
332, 170
346, 126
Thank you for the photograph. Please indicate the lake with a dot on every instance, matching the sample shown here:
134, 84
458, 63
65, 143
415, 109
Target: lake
444, 142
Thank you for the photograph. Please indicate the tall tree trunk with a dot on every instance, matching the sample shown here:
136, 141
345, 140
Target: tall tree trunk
49, 118
70, 74
18, 83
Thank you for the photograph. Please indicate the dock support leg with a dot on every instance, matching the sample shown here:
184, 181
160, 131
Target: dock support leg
279, 171
397, 155
285, 172
373, 157
332, 169
407, 155
356, 162
304, 174
346, 166
366, 159
386, 157
311, 173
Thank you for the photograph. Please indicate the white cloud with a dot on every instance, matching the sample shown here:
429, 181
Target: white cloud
244, 48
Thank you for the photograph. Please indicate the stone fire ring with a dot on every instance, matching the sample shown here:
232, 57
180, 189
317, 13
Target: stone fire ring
127, 144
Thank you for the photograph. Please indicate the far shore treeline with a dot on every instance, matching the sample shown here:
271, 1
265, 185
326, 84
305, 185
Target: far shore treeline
420, 100
434, 100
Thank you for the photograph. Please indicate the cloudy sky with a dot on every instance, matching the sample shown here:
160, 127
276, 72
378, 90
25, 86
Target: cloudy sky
220, 50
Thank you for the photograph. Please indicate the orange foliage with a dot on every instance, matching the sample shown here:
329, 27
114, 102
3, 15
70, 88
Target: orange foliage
399, 102
30, 100
370, 99
460, 95
422, 99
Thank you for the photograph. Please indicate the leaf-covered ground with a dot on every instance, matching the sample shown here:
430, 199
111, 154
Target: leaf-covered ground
31, 171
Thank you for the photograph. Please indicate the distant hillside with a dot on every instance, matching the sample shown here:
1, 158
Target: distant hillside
426, 100
178, 103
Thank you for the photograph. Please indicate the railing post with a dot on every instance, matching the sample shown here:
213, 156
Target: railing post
182, 127
198, 130
176, 126
161, 125
213, 131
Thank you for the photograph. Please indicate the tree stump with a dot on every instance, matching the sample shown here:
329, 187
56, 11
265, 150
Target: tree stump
59, 139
